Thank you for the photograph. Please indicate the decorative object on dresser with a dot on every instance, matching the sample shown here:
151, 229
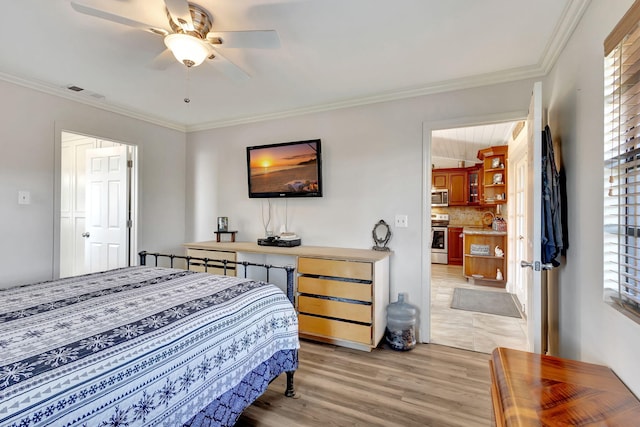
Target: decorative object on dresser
232, 234
381, 235
223, 223
342, 292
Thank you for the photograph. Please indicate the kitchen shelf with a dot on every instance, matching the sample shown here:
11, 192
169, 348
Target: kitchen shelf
476, 265
484, 256
494, 162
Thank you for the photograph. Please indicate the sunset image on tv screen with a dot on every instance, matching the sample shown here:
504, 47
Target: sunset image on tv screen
284, 169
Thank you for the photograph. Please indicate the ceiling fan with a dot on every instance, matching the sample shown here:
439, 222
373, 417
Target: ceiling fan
190, 38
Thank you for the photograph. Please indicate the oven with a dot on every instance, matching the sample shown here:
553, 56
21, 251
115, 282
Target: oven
439, 239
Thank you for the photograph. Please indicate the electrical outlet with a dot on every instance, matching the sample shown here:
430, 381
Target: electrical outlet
402, 221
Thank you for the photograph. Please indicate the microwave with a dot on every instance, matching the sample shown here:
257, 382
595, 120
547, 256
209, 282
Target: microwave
439, 197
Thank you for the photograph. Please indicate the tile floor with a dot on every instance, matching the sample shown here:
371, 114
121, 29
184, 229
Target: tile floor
466, 329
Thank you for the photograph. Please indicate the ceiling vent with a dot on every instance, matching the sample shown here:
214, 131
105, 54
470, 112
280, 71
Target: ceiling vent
83, 92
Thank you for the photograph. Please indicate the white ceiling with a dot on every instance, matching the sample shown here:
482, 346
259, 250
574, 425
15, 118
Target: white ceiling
333, 53
450, 146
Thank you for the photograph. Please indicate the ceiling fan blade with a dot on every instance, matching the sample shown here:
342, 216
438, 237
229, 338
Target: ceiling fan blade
259, 39
230, 69
179, 11
163, 60
98, 13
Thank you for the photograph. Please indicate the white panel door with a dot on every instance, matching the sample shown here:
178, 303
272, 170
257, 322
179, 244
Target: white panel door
72, 205
106, 243
518, 169
536, 305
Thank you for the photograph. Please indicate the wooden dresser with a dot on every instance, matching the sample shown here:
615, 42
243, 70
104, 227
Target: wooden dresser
529, 389
341, 293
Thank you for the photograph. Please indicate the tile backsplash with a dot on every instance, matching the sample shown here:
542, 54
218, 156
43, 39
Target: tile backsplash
464, 215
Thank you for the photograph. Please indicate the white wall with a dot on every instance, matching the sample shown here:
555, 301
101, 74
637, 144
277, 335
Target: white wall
28, 126
589, 329
372, 168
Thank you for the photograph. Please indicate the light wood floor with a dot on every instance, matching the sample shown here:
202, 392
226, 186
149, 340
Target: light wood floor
431, 385
467, 329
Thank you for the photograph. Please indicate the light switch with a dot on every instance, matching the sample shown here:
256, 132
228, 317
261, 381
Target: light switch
24, 197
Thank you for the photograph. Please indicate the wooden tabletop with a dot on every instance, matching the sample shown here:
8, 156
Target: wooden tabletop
303, 250
537, 390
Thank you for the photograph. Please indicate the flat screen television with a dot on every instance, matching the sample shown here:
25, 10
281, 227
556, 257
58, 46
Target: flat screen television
289, 169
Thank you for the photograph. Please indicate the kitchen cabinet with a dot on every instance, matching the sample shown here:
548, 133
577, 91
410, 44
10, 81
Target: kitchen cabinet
458, 187
480, 260
455, 181
494, 174
474, 193
456, 245
439, 179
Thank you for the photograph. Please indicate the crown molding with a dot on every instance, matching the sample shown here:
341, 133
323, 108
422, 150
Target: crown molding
438, 87
567, 23
569, 20
101, 103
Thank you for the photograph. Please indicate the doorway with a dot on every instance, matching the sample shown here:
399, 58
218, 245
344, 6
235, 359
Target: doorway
454, 146
98, 204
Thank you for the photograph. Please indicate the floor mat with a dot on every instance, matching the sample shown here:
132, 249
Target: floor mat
500, 303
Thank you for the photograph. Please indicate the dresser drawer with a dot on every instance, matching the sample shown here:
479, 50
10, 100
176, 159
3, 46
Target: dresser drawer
336, 268
201, 253
214, 267
335, 288
338, 309
334, 329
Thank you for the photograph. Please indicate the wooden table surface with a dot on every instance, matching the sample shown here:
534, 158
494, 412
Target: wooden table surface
530, 389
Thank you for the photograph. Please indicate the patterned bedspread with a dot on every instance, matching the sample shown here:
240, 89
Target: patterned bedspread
140, 346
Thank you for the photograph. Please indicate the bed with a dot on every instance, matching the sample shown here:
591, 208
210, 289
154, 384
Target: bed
142, 345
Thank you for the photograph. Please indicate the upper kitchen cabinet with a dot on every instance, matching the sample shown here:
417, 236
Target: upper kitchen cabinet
440, 179
494, 175
474, 193
455, 181
458, 187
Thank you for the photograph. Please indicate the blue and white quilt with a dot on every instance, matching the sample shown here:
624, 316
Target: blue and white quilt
140, 346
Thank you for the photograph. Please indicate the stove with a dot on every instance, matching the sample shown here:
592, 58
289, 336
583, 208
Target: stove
439, 220
439, 239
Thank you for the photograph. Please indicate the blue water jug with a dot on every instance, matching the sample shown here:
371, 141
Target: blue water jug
401, 324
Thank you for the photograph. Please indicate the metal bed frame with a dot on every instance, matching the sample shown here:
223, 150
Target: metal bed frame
206, 263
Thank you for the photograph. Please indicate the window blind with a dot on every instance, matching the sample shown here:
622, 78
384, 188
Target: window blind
622, 161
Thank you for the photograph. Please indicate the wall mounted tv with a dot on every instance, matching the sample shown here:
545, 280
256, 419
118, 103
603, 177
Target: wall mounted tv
289, 169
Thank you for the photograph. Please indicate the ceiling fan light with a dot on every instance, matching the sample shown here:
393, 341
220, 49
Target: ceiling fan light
189, 50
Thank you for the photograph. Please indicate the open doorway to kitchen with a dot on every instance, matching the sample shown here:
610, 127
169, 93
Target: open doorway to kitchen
98, 202
476, 299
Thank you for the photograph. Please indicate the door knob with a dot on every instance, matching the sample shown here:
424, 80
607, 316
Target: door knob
537, 265
525, 264
86, 234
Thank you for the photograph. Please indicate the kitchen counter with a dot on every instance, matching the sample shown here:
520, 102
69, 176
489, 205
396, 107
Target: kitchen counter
483, 231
